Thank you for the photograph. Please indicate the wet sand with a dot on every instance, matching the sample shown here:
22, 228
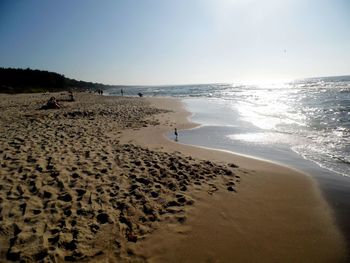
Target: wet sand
97, 181
277, 214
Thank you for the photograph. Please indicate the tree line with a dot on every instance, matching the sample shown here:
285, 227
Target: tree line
16, 80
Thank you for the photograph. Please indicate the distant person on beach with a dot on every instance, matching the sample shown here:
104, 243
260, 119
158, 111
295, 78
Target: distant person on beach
176, 135
51, 104
122, 92
71, 97
140, 94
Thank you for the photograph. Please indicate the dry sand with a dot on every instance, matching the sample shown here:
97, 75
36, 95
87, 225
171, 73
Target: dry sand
97, 181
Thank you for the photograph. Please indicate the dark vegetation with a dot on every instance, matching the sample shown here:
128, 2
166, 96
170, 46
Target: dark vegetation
29, 80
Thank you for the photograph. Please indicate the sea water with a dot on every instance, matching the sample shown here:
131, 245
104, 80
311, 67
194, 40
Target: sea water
306, 119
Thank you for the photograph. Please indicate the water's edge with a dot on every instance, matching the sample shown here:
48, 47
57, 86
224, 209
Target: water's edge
334, 187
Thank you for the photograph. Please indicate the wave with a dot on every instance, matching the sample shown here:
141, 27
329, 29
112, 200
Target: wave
316, 109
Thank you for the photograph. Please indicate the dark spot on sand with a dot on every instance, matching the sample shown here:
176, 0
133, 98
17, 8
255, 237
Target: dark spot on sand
16, 230
67, 212
231, 189
50, 167
54, 240
13, 256
70, 258
23, 208
102, 218
190, 202
75, 233
94, 228
183, 188
69, 245
54, 231
229, 173
47, 194
33, 189
147, 209
80, 192
41, 255
172, 186
65, 197
131, 237
143, 181
154, 194
38, 168
54, 174
181, 219
36, 211
181, 200
172, 203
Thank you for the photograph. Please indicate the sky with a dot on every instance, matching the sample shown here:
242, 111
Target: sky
156, 42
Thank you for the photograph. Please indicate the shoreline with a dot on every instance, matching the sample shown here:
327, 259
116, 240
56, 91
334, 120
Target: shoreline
98, 180
333, 185
283, 179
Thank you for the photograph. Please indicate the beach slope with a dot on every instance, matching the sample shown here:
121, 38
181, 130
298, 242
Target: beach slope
97, 180
276, 215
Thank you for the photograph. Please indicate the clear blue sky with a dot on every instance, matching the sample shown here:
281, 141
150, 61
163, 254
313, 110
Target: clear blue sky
177, 41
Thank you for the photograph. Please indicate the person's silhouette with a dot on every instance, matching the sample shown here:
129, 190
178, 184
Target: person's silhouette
176, 135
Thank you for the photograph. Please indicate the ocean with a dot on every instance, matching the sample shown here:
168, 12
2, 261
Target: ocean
303, 123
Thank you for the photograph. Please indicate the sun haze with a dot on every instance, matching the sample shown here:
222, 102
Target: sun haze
177, 42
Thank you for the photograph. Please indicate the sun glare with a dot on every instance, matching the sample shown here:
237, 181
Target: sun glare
264, 83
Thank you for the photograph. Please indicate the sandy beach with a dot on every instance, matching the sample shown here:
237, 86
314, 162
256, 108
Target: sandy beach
98, 181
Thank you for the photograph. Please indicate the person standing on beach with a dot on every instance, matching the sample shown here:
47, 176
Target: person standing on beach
176, 134
122, 92
71, 97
